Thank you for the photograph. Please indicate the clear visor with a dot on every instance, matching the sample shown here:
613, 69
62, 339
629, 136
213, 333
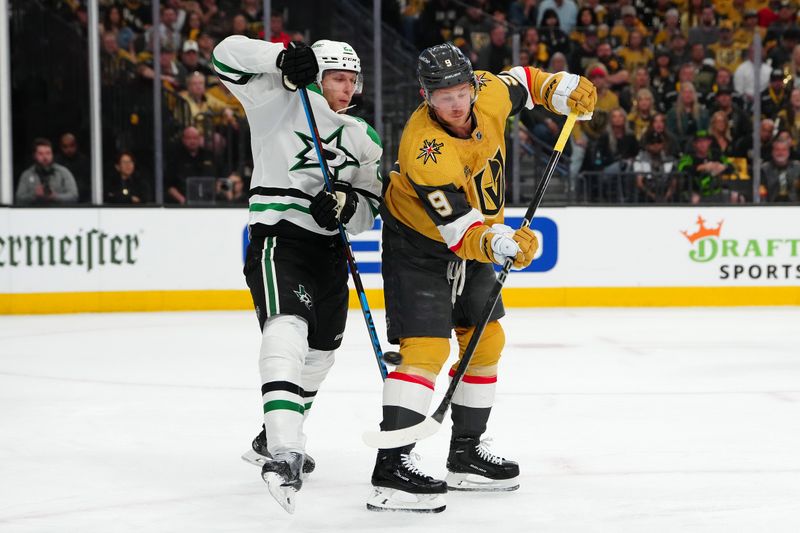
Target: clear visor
462, 95
345, 76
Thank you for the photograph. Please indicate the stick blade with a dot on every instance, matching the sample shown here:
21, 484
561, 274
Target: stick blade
401, 437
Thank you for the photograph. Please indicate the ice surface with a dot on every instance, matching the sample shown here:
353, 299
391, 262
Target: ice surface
623, 420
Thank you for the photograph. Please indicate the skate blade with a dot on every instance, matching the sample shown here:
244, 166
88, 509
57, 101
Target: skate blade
256, 459
476, 483
250, 456
384, 499
284, 495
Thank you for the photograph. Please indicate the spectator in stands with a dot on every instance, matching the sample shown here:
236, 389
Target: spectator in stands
743, 146
496, 56
620, 33
655, 178
672, 25
723, 78
739, 122
566, 12
617, 75
704, 171
780, 175
190, 59
558, 63
471, 31
781, 54
277, 33
205, 45
215, 20
585, 53
189, 160
785, 21
659, 125
116, 64
239, 26
537, 51
181, 11
435, 23
642, 113
641, 80
794, 68
77, 163
45, 182
661, 78
707, 32
522, 13
704, 70
769, 13
635, 54
231, 190
720, 132
137, 15
726, 52
253, 12
193, 27
686, 74
744, 35
775, 96
688, 116
170, 34
610, 154
586, 19
679, 49
694, 14
173, 74
789, 118
127, 187
590, 131
744, 77
551, 34
113, 23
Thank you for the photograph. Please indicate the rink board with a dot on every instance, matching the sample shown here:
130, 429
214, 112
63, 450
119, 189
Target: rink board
153, 259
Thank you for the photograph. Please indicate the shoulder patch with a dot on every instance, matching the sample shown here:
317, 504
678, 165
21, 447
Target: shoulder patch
429, 150
482, 80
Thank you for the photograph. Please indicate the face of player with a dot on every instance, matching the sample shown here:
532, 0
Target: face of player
338, 87
452, 104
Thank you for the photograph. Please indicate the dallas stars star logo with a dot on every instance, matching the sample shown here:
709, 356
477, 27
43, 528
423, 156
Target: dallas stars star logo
429, 150
303, 296
337, 156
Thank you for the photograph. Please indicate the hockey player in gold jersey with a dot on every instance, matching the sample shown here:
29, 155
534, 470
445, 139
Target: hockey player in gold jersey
443, 231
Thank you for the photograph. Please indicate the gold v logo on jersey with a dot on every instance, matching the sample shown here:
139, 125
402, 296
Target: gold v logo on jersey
337, 156
491, 185
429, 150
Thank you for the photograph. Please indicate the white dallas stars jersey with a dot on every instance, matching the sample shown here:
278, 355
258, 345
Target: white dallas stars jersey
286, 174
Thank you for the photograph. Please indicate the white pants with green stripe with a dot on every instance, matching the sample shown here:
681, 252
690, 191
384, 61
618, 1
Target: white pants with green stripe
290, 375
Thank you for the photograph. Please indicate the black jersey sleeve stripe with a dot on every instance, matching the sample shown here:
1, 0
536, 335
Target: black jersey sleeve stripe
517, 92
241, 81
279, 191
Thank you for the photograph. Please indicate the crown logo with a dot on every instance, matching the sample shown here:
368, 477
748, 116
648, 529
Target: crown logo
703, 231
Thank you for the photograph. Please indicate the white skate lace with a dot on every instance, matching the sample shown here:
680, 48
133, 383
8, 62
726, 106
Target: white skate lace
485, 454
457, 277
409, 463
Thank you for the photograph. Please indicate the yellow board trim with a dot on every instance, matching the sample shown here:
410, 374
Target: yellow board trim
104, 302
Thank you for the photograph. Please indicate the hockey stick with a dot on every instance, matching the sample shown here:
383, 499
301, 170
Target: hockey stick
429, 426
348, 250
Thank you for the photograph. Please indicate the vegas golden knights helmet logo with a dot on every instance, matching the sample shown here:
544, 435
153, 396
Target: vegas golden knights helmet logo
490, 184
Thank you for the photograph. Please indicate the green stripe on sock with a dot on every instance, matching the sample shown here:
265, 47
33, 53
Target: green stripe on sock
278, 207
284, 405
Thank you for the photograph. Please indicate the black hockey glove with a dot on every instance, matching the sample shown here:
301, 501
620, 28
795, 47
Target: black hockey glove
329, 209
298, 65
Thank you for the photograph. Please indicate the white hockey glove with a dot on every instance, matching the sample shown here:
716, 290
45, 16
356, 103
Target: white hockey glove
562, 92
502, 243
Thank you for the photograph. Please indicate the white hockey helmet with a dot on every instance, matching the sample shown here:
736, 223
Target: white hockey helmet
337, 55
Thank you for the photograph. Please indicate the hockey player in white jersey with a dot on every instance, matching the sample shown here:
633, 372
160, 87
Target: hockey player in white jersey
295, 265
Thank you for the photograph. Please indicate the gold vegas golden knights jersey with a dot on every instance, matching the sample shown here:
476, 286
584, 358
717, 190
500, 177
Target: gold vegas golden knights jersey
441, 185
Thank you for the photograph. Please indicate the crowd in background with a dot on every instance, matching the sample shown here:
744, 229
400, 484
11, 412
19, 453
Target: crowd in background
675, 79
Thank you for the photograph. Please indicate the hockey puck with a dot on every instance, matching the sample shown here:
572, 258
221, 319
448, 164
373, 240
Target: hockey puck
392, 358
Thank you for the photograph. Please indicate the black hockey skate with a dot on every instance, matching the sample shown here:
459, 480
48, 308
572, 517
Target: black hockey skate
282, 476
398, 485
259, 454
471, 466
